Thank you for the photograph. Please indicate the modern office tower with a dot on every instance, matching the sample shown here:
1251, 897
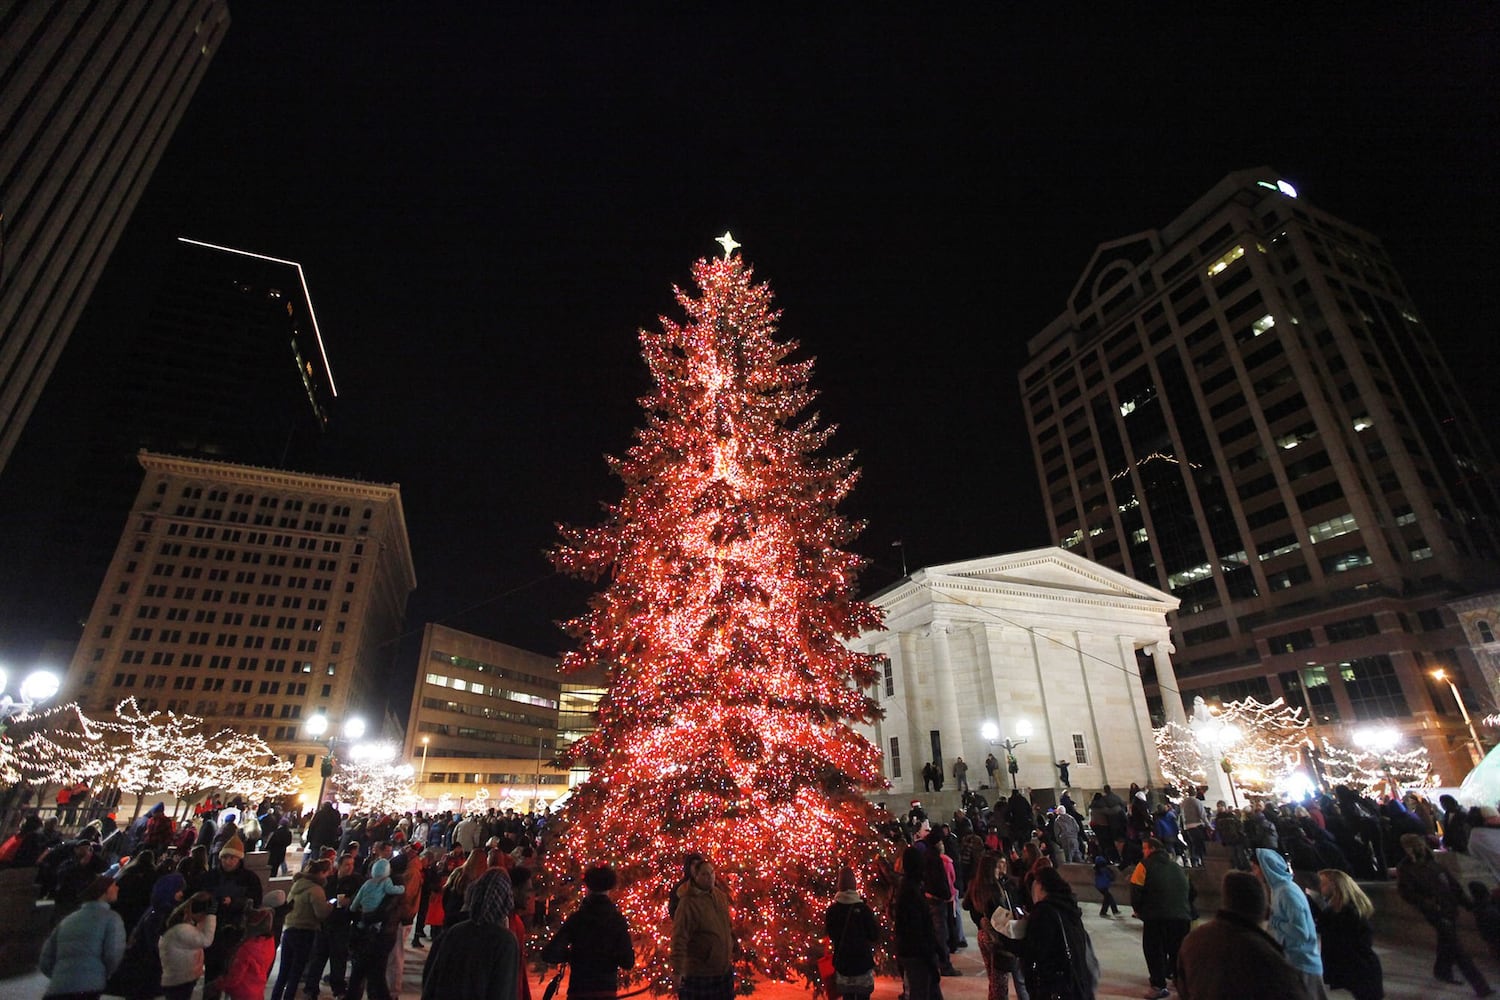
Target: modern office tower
253, 598
484, 723
90, 94
228, 365
1245, 409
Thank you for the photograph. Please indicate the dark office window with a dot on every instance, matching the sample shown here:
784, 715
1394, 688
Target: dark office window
1373, 688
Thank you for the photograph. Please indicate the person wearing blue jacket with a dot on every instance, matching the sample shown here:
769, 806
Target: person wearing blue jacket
1291, 922
83, 950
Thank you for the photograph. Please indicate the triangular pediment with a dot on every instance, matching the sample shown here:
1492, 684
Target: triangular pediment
1051, 569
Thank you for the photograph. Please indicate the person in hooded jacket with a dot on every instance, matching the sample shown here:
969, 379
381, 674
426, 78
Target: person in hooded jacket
1291, 921
86, 946
595, 940
477, 958
190, 930
375, 925
851, 927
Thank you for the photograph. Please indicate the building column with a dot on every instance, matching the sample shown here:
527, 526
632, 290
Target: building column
1166, 680
947, 698
904, 664
1136, 687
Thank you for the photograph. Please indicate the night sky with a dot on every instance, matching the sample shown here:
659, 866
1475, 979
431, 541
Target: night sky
488, 206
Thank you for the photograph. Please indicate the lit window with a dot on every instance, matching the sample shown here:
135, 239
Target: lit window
1333, 528
1263, 324
1138, 536
1363, 424
1127, 408
1223, 262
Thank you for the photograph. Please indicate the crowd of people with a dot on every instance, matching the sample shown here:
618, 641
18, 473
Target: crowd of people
158, 907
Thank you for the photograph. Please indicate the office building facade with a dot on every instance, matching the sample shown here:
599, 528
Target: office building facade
90, 95
484, 724
253, 598
1245, 410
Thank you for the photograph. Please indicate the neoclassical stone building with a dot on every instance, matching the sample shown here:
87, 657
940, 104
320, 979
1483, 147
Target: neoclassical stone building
1045, 639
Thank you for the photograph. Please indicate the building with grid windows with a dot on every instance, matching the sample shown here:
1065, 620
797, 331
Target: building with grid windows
253, 598
1245, 409
484, 723
89, 98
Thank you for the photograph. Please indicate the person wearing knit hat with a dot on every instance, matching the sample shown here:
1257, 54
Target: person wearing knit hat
237, 890
477, 958
851, 926
234, 847
375, 928
83, 950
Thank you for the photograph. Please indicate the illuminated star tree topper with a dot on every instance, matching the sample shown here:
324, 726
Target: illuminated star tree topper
727, 727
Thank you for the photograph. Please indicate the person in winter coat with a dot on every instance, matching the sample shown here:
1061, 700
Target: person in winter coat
190, 930
375, 926
1230, 957
1055, 948
477, 958
702, 951
1160, 897
135, 881
1342, 912
1104, 880
139, 976
310, 907
595, 940
851, 927
916, 944
276, 844
1429, 887
87, 946
331, 947
236, 891
251, 963
1065, 830
1291, 920
25, 846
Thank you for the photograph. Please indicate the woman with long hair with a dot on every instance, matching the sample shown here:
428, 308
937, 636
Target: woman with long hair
475, 865
1343, 912
988, 892
1056, 951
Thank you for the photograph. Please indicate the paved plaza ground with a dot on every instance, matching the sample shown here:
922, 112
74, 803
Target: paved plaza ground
1407, 958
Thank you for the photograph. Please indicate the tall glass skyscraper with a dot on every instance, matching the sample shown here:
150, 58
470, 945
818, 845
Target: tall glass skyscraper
90, 94
1244, 408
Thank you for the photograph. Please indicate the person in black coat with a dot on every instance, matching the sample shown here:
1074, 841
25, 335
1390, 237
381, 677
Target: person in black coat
917, 946
1343, 912
1054, 950
477, 958
851, 927
595, 940
135, 881
276, 845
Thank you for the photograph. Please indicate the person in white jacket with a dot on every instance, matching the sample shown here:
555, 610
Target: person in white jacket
190, 929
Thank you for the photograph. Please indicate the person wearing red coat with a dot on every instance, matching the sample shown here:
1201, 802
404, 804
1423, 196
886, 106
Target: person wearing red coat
245, 979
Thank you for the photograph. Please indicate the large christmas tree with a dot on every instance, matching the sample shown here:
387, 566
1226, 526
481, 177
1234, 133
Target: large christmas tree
726, 729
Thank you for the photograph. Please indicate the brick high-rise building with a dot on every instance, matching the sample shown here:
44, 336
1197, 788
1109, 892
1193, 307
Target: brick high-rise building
90, 94
251, 597
1245, 409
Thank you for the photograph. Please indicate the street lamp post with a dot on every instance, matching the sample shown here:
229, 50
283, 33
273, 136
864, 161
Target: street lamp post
991, 734
316, 726
39, 686
536, 787
1463, 710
